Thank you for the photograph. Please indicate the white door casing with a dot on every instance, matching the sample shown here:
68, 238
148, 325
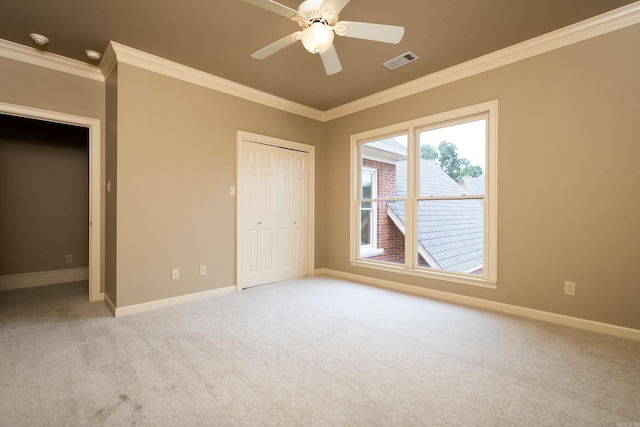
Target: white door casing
274, 210
95, 183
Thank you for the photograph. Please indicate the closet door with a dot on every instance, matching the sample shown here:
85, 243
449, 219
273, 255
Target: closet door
260, 214
294, 218
273, 214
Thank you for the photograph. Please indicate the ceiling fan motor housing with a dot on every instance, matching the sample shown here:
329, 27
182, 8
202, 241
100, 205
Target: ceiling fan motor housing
308, 5
310, 12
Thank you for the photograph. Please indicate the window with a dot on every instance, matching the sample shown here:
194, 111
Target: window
424, 199
368, 217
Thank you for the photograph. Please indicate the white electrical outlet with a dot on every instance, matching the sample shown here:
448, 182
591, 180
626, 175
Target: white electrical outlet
175, 274
203, 270
69, 259
232, 191
570, 288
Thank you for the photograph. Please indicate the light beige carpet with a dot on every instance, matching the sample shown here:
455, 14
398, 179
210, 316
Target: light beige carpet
309, 352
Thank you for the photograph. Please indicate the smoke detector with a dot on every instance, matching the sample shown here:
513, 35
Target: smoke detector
39, 39
401, 60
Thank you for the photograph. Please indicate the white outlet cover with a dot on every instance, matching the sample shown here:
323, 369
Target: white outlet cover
570, 288
175, 274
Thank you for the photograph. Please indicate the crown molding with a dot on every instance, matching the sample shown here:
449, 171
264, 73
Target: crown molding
49, 60
169, 68
584, 30
108, 62
602, 24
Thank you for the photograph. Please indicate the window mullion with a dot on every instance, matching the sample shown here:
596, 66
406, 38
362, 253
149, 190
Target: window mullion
356, 188
411, 226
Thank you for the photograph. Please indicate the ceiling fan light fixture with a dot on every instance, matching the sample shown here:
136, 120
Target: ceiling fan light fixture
320, 23
317, 38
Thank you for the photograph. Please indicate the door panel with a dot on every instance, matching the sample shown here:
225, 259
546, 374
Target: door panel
259, 214
253, 252
294, 215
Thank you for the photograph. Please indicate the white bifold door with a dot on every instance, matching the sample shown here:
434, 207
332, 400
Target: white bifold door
273, 214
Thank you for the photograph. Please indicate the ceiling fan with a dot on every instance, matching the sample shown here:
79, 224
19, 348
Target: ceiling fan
318, 20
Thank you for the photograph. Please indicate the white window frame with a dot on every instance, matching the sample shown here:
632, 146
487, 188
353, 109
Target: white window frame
372, 248
411, 128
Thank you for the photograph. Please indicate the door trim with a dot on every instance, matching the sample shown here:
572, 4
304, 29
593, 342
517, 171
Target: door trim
95, 183
281, 143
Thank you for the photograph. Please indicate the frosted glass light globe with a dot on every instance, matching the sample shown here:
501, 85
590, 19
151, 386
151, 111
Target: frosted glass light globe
318, 38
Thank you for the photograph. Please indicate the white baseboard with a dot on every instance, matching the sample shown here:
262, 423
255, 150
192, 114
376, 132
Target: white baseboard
43, 278
560, 319
167, 302
110, 305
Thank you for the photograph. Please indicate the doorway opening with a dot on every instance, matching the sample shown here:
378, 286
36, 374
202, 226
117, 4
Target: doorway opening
94, 222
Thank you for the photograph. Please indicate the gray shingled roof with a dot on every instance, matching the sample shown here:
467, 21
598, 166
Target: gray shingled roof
388, 144
450, 231
475, 185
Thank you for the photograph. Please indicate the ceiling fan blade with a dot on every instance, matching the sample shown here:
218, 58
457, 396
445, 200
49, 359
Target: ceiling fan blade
331, 61
334, 5
277, 45
275, 7
375, 32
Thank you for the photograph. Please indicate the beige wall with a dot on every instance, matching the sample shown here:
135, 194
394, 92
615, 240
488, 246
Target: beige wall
33, 86
568, 201
111, 196
44, 195
176, 159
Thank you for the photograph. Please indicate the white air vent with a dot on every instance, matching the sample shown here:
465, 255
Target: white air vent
401, 60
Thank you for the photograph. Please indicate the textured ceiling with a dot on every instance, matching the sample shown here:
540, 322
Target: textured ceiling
218, 37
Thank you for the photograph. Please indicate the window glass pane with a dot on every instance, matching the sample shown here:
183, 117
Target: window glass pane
451, 235
390, 234
384, 156
367, 185
452, 159
365, 226
399, 175
391, 231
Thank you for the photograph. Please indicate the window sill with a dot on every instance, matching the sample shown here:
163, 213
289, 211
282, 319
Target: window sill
448, 277
369, 251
